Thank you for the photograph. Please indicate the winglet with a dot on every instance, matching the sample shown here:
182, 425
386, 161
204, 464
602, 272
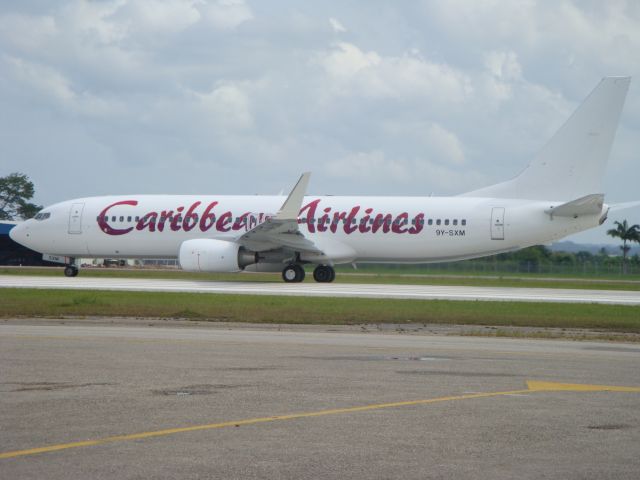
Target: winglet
292, 205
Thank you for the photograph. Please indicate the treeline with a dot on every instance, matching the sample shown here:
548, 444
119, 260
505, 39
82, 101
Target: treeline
539, 255
534, 260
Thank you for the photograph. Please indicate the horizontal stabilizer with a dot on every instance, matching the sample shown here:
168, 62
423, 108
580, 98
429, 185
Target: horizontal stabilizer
588, 205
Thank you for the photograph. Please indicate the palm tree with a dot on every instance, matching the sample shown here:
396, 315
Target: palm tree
625, 233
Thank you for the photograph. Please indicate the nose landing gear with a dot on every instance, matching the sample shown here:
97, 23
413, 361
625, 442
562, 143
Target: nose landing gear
70, 270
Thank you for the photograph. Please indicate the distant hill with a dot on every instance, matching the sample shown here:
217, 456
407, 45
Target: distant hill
593, 248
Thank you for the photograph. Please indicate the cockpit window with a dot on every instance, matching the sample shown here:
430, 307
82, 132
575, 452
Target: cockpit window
42, 216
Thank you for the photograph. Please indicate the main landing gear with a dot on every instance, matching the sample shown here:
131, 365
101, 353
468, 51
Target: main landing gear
324, 274
294, 273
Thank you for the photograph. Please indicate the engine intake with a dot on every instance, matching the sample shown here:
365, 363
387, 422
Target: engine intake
209, 255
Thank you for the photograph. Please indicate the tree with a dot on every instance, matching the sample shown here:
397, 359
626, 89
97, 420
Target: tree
625, 233
15, 191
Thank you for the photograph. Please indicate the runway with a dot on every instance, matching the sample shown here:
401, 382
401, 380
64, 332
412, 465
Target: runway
423, 292
134, 401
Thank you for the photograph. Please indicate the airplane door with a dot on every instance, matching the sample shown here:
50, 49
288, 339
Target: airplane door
497, 223
75, 218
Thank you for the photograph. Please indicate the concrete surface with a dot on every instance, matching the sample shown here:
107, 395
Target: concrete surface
328, 290
425, 413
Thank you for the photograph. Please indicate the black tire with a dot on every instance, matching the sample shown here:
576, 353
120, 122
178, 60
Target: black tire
70, 271
293, 274
333, 275
324, 274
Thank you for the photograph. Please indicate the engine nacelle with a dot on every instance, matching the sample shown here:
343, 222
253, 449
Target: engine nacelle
209, 255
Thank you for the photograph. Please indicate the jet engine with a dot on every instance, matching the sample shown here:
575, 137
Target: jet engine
209, 255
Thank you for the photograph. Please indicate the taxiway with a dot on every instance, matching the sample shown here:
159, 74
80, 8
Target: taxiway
127, 401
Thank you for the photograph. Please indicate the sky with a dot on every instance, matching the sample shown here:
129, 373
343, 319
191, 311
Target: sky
242, 96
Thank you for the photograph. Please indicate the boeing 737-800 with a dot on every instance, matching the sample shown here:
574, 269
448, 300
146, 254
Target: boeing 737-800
558, 194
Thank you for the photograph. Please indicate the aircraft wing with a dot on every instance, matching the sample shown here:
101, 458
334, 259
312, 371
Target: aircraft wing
281, 230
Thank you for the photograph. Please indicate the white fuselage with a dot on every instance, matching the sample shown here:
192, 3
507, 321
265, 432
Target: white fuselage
349, 229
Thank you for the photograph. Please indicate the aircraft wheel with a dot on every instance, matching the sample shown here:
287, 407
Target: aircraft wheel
293, 274
324, 274
70, 271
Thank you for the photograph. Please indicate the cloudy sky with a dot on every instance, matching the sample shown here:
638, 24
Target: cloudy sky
241, 96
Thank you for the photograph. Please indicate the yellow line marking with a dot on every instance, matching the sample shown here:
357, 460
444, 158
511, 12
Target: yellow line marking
535, 386
532, 386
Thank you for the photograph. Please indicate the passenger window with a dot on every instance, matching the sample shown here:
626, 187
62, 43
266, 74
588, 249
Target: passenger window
464, 222
446, 222
122, 219
113, 219
128, 219
438, 222
137, 218
455, 221
431, 221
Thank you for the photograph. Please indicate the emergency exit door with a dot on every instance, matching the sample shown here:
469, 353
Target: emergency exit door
75, 218
497, 223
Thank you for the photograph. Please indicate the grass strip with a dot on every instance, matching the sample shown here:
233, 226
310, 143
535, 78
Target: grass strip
312, 310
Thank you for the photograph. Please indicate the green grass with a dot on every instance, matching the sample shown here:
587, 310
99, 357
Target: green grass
524, 281
312, 310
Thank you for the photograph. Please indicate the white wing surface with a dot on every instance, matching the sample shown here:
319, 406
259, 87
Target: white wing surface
281, 230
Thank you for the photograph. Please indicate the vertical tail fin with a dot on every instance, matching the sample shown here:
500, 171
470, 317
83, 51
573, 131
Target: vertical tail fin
573, 163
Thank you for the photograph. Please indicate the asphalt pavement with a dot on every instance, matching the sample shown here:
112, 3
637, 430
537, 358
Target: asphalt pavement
137, 401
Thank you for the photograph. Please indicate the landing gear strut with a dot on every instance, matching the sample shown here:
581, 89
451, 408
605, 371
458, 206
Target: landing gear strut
293, 273
324, 274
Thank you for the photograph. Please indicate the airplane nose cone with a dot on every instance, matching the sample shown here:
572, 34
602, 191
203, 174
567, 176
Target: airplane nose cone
19, 233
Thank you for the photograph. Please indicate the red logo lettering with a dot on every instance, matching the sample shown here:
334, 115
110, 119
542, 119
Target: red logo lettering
103, 218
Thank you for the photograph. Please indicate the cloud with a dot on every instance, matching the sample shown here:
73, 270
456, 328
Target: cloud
160, 15
337, 26
40, 30
58, 90
227, 106
445, 144
228, 14
411, 98
369, 165
356, 72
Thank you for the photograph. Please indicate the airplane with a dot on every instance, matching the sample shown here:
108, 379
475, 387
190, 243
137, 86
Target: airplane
558, 194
